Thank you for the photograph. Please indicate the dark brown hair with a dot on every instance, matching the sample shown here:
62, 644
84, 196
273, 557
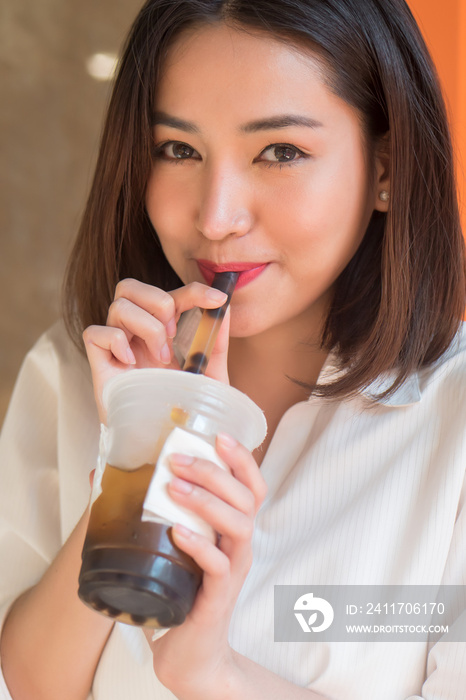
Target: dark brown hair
399, 302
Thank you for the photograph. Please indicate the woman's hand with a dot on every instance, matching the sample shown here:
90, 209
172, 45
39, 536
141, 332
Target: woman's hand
141, 325
194, 659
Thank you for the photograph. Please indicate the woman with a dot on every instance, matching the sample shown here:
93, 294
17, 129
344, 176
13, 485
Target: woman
305, 145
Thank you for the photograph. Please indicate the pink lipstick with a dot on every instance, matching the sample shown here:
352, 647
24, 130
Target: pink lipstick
247, 271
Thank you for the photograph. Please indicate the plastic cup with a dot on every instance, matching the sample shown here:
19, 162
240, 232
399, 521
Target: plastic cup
131, 569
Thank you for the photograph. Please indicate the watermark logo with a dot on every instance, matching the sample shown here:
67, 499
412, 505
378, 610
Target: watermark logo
320, 613
312, 607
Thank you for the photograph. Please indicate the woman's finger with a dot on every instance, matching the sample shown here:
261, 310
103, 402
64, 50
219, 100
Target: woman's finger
168, 306
243, 466
197, 294
225, 519
206, 555
213, 478
224, 570
109, 353
103, 343
137, 322
153, 300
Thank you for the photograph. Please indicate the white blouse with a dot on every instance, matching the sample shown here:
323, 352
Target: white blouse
360, 492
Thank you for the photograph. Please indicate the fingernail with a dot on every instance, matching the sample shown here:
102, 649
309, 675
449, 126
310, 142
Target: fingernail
182, 531
165, 355
171, 328
226, 440
216, 295
182, 460
181, 486
130, 356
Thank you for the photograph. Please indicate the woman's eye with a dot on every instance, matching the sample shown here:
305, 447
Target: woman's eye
281, 153
176, 150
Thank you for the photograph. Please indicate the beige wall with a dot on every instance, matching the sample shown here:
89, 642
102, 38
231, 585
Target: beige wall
50, 120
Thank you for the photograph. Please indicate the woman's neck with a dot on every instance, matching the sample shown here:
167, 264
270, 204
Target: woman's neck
264, 366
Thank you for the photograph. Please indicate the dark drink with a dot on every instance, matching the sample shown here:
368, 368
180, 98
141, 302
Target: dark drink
131, 569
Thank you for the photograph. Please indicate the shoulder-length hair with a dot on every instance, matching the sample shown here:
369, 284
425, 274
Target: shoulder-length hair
399, 302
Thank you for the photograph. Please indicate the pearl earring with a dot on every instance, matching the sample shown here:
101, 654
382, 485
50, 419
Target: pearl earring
384, 195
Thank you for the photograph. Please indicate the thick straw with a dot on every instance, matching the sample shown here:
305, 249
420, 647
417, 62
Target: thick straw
204, 339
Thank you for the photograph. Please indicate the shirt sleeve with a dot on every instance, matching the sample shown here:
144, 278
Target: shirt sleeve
446, 660
29, 504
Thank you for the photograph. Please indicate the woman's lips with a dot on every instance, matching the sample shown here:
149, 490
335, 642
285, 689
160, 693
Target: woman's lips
248, 271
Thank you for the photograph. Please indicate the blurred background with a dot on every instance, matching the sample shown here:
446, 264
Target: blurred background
56, 61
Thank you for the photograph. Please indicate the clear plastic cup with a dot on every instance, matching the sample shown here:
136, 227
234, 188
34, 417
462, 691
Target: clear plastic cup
131, 569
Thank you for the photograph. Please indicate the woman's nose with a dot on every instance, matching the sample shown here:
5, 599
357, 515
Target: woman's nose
225, 205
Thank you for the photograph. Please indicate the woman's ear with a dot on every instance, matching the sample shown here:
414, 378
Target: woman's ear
382, 174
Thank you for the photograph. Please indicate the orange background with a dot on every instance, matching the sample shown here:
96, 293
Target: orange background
444, 27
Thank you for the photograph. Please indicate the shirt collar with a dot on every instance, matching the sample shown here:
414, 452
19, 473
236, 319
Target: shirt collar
405, 395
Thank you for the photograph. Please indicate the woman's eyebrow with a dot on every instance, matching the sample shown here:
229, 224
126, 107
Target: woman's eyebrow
280, 122
168, 120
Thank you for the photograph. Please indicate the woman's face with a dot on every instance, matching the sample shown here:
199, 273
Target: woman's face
258, 167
